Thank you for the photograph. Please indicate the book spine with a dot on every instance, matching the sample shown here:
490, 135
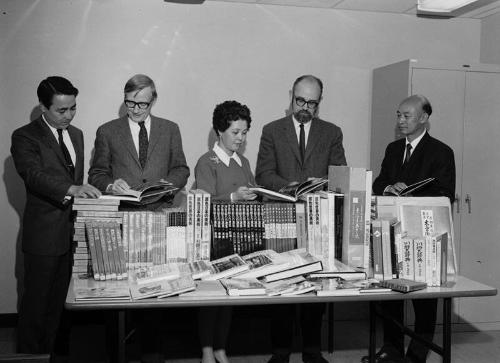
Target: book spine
367, 220
125, 239
206, 235
198, 226
386, 250
93, 253
190, 215
378, 270
419, 258
408, 265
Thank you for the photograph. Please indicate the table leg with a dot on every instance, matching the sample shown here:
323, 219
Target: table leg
330, 327
373, 332
447, 330
121, 336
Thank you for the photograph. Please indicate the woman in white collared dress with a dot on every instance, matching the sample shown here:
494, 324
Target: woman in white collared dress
226, 175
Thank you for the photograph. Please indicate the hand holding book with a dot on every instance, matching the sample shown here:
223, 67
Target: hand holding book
401, 189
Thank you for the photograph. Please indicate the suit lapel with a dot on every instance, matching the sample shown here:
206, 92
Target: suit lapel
313, 138
291, 135
78, 146
126, 138
49, 139
154, 135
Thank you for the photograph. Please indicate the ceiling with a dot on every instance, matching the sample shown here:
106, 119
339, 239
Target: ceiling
478, 10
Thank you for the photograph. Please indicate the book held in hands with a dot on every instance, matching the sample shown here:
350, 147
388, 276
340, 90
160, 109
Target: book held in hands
143, 193
412, 188
291, 193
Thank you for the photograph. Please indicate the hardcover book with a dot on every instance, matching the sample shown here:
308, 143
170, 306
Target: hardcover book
291, 193
403, 285
143, 193
412, 187
226, 266
301, 262
243, 287
263, 263
340, 270
162, 288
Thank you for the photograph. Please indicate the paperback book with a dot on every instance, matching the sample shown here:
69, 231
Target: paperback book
162, 288
291, 193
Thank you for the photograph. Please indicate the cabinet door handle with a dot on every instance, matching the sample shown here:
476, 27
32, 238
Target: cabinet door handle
457, 202
468, 201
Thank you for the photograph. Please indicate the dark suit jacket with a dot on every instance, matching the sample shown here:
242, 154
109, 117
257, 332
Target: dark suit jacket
431, 158
40, 163
115, 155
278, 161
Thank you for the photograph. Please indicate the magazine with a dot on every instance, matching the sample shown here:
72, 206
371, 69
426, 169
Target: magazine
143, 193
291, 193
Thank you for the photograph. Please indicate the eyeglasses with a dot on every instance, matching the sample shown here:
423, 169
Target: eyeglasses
142, 105
311, 104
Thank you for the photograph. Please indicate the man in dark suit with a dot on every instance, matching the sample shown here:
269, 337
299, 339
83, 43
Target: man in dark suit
415, 157
138, 147
293, 149
48, 155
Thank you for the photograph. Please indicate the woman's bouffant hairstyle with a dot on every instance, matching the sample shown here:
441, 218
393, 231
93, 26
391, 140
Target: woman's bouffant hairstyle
227, 112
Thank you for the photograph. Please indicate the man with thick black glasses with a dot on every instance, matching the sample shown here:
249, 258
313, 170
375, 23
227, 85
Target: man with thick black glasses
139, 147
293, 149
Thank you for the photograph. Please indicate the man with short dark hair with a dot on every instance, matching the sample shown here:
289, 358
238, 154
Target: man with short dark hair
48, 155
138, 147
293, 149
416, 156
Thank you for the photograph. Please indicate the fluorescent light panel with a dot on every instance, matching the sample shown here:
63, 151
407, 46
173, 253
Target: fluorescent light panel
442, 6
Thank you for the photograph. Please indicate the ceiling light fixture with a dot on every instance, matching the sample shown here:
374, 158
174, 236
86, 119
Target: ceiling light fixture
441, 6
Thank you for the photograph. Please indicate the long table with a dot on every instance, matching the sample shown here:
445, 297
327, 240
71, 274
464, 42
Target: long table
463, 287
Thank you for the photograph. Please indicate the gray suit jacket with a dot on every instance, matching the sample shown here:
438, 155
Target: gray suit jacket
278, 161
115, 155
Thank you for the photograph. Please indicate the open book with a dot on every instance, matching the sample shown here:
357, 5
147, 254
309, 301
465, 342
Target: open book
143, 193
413, 187
291, 193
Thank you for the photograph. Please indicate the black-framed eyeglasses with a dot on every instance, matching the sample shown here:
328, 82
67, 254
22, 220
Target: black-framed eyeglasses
131, 104
311, 104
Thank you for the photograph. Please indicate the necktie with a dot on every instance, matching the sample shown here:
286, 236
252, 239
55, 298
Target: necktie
302, 142
407, 154
64, 149
143, 144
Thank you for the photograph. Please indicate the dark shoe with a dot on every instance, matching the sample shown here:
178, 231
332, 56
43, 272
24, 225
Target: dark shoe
385, 355
313, 358
279, 358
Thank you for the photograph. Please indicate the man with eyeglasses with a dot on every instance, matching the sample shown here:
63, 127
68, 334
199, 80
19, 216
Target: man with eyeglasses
414, 157
138, 147
293, 149
135, 149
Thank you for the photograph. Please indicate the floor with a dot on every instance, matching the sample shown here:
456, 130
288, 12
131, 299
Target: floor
249, 341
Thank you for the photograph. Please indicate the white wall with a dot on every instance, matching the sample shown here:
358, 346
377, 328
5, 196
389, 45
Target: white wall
200, 55
490, 35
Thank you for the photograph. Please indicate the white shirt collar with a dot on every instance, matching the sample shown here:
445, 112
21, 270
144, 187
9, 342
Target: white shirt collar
225, 158
307, 127
415, 142
147, 123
